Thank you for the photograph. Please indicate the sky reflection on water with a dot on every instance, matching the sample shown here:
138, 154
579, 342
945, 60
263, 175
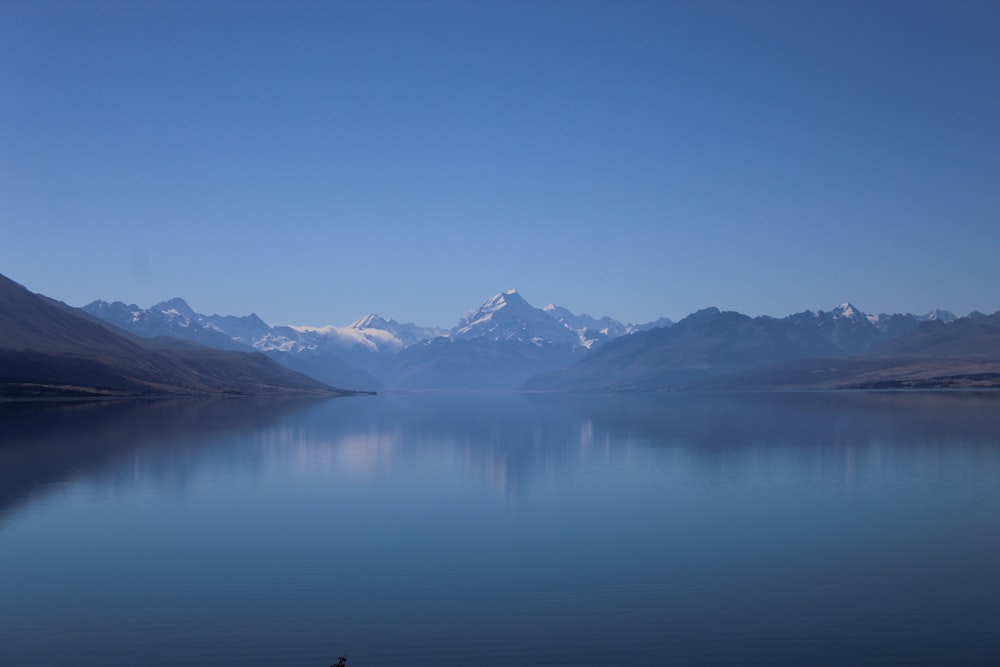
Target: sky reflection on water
490, 529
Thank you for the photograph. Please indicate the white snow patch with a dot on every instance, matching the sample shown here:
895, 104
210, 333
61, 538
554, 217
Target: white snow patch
372, 339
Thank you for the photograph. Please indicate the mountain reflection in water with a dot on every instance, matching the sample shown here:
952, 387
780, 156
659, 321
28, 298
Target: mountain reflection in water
809, 528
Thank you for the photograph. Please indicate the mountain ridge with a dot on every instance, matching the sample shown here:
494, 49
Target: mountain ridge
369, 352
49, 349
374, 352
717, 350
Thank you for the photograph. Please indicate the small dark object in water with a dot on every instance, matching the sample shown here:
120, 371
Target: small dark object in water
341, 662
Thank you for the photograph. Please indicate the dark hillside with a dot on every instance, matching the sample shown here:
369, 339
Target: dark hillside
50, 349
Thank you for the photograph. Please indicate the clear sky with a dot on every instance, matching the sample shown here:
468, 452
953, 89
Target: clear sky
314, 161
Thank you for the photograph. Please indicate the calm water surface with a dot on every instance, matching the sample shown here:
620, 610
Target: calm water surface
503, 529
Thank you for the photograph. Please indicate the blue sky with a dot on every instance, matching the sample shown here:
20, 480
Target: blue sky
315, 161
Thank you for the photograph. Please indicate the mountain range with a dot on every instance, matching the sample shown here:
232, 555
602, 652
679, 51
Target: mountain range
840, 349
498, 345
48, 349
506, 343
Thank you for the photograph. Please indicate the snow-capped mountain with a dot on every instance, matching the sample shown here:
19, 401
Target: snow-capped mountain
848, 328
370, 334
407, 333
499, 346
48, 349
607, 326
175, 317
589, 330
508, 317
504, 317
170, 318
841, 348
939, 315
342, 356
897, 324
344, 338
507, 340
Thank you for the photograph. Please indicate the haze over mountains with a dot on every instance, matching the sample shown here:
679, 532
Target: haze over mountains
506, 343
498, 345
114, 349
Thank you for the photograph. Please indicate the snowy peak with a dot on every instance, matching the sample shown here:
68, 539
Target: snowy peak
508, 299
167, 318
591, 330
938, 315
492, 306
369, 321
405, 333
849, 328
508, 317
847, 310
177, 307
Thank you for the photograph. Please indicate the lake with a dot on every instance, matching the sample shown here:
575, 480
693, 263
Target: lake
449, 529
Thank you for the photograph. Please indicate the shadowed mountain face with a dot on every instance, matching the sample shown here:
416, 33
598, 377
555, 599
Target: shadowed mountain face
704, 343
49, 349
29, 322
939, 353
963, 337
840, 349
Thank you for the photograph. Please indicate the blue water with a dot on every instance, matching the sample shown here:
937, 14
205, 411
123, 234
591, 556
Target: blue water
503, 529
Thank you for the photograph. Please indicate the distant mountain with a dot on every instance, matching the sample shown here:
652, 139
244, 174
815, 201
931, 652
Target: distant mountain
334, 339
704, 343
960, 353
168, 318
176, 318
508, 317
50, 349
593, 331
341, 356
846, 327
897, 324
496, 346
406, 333
939, 315
499, 345
940, 338
368, 353
590, 331
506, 343
710, 344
